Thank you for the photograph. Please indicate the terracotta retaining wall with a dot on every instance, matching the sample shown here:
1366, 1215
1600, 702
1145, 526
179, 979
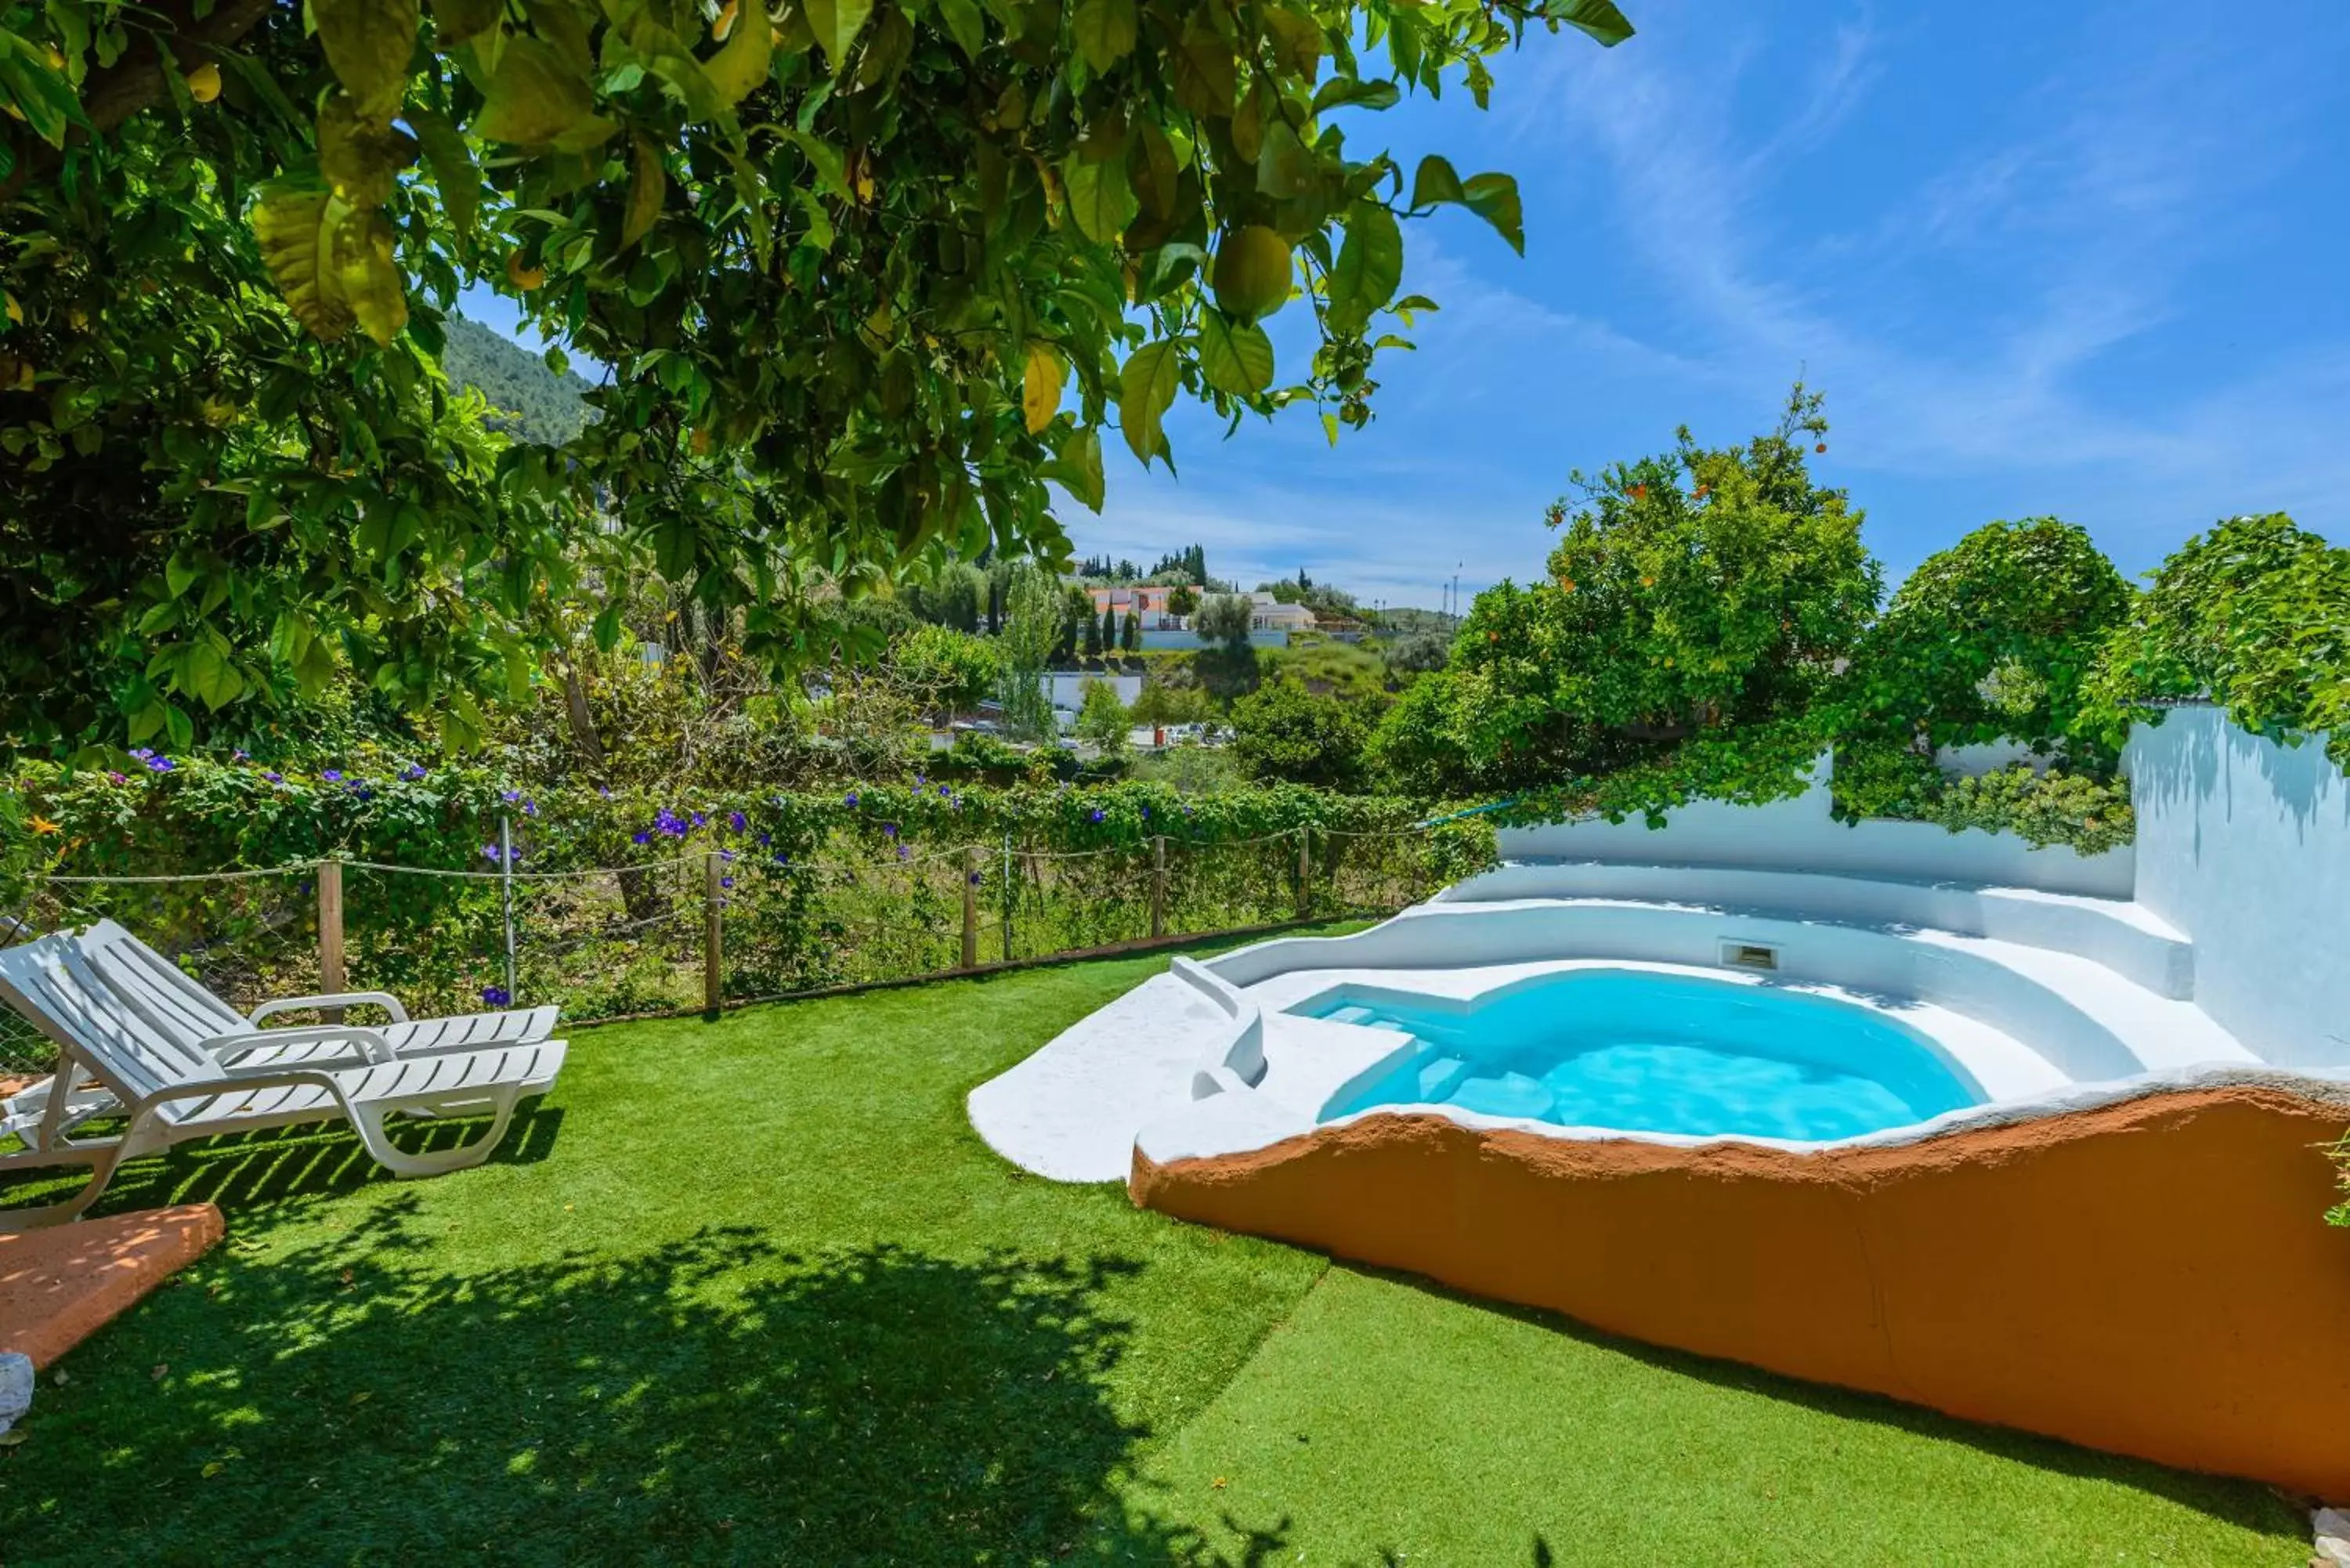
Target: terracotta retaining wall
2152, 1277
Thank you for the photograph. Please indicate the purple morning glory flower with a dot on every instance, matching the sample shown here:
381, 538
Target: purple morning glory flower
726, 855
117, 777
735, 820
700, 820
412, 773
530, 808
142, 752
240, 755
496, 995
669, 822
160, 765
490, 853
274, 778
901, 852
974, 878
765, 839
512, 796
1097, 813
726, 881
332, 776
783, 860
919, 780
849, 799
890, 830
944, 791
604, 790
644, 838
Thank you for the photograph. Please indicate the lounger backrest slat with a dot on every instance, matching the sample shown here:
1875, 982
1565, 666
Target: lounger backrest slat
180, 1006
53, 983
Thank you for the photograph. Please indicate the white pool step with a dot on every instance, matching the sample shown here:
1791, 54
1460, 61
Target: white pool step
2123, 936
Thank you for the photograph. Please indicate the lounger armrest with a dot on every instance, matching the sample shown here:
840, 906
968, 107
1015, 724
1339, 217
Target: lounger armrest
382, 999
372, 1046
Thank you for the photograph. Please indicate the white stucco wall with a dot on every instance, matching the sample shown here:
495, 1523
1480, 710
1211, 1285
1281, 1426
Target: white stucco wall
1801, 835
2244, 845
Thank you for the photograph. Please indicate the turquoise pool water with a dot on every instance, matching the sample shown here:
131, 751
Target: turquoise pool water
1658, 1052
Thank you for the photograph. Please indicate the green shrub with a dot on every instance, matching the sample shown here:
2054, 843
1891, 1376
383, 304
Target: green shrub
2089, 814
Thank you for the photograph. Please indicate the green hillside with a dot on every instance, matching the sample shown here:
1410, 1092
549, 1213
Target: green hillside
533, 403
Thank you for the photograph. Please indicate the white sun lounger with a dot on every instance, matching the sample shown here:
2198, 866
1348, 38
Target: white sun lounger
169, 1092
193, 1016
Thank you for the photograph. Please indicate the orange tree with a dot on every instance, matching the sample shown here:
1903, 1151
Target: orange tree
1703, 592
866, 276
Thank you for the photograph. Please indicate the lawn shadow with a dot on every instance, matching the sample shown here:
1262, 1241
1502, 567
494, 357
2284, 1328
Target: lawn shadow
717, 1399
257, 1170
2246, 1504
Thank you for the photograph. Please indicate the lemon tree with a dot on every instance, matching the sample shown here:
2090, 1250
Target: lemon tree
867, 277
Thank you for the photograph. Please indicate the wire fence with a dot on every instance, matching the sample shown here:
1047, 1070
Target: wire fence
705, 930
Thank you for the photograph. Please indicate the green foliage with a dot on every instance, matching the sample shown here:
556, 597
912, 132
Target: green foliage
1034, 628
1416, 653
1223, 618
1183, 600
532, 401
205, 512
1885, 778
1283, 733
866, 278
1748, 765
947, 669
2254, 615
1989, 639
2091, 815
1162, 703
1698, 588
1102, 718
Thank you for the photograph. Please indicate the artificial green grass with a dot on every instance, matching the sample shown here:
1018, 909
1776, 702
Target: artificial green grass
752, 1291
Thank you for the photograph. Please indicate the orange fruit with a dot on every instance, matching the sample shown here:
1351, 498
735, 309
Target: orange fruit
522, 275
1822, 447
204, 83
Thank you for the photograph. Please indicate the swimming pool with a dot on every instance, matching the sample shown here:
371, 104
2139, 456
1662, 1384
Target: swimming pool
1643, 1052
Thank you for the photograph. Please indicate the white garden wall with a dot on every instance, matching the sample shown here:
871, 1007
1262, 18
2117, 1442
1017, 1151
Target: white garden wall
2244, 845
1800, 834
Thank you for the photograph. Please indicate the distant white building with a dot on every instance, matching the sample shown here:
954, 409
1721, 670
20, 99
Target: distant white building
1065, 689
1269, 614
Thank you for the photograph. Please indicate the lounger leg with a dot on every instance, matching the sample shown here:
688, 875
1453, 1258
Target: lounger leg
102, 1163
367, 1120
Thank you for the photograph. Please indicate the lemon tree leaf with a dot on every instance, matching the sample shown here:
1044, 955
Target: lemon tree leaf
741, 64
646, 184
1101, 198
367, 43
1147, 384
1494, 198
1104, 31
534, 97
1369, 267
289, 219
1235, 356
1040, 393
835, 24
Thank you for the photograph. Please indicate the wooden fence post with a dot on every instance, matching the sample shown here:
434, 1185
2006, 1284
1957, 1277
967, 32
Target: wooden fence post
713, 963
1009, 892
331, 975
971, 905
1159, 887
1306, 872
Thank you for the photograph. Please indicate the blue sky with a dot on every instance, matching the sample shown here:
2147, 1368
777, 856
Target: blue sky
2085, 260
